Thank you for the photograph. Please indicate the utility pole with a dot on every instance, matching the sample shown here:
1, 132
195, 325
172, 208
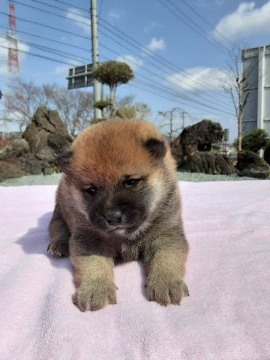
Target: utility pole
95, 54
184, 113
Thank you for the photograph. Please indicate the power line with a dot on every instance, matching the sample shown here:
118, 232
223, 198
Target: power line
47, 26
132, 42
206, 21
151, 81
165, 70
81, 37
49, 49
54, 50
39, 56
122, 35
68, 4
50, 39
50, 12
190, 23
184, 98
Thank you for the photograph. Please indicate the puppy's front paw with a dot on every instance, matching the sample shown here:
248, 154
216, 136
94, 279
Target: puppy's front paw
58, 248
95, 295
166, 288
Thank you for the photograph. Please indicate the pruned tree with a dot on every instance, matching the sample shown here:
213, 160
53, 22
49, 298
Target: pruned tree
113, 74
255, 140
102, 105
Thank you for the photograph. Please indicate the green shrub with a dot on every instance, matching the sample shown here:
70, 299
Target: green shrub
255, 140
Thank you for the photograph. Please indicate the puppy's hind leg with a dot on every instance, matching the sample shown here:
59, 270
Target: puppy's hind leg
59, 234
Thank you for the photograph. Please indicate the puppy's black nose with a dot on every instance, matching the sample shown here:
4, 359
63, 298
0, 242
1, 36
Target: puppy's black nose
113, 217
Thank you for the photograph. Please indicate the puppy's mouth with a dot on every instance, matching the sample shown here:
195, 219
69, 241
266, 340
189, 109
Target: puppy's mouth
118, 229
122, 229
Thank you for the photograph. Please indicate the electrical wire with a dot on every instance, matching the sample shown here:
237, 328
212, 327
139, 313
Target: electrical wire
54, 50
49, 49
110, 28
211, 26
184, 18
49, 39
39, 56
167, 88
81, 36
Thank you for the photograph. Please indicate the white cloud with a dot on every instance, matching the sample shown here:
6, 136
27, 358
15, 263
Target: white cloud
79, 19
154, 45
199, 78
131, 60
23, 47
246, 20
114, 14
62, 70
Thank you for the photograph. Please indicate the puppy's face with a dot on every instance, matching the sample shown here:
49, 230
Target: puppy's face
120, 208
118, 173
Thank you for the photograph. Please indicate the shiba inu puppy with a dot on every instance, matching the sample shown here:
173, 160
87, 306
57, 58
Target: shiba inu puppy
118, 199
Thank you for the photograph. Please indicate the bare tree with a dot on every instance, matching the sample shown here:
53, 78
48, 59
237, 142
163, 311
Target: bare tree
22, 103
238, 89
171, 119
74, 107
138, 110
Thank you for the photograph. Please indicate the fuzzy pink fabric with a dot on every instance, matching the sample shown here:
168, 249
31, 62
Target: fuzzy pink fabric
226, 317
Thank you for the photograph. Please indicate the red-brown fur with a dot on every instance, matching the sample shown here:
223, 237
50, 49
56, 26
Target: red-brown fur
103, 155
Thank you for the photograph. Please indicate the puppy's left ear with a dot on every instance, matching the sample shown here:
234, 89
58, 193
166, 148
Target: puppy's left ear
157, 148
63, 160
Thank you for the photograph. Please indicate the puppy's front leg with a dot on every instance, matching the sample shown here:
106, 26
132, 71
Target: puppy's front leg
95, 284
164, 275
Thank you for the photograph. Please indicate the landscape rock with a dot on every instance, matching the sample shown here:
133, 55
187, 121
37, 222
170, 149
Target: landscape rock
192, 149
252, 165
35, 153
266, 154
200, 136
208, 163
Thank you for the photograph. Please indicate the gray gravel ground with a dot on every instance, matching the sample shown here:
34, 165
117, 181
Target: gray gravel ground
54, 179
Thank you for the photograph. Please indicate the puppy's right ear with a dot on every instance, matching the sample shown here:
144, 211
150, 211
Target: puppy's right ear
63, 160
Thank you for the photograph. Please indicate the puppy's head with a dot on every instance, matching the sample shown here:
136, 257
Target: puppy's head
119, 171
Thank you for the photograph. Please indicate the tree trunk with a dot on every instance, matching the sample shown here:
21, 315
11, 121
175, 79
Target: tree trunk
112, 107
239, 145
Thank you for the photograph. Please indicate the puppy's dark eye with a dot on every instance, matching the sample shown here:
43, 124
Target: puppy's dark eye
91, 190
130, 183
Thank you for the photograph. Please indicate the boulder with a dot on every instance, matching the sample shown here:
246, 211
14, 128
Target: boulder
192, 149
9, 170
42, 141
206, 162
252, 165
266, 154
200, 136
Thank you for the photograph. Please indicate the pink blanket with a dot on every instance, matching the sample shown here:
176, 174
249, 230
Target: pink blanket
226, 317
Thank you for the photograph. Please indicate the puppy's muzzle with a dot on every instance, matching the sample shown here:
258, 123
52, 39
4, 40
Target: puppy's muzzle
113, 217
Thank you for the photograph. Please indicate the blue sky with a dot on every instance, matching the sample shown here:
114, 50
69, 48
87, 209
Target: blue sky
178, 49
